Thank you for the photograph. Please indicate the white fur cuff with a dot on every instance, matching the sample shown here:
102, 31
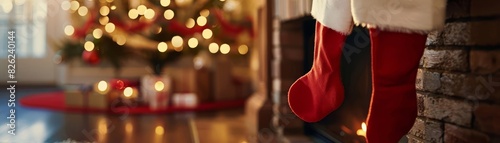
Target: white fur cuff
334, 14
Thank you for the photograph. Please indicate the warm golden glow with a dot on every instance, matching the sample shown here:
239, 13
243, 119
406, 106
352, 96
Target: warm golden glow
113, 7
362, 131
65, 5
165, 3
97, 33
128, 127
159, 86
159, 130
109, 1
82, 11
193, 42
158, 30
149, 13
162, 47
243, 49
104, 10
201, 20
207, 33
190, 23
74, 5
104, 20
69, 30
121, 40
168, 14
133, 14
213, 48
225, 48
102, 86
205, 13
141, 9
177, 41
127, 92
89, 46
102, 127
110, 27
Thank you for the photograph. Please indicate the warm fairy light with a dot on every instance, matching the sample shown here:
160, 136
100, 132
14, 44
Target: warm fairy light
243, 49
104, 10
205, 13
121, 40
158, 30
162, 47
201, 20
128, 127
133, 14
110, 1
207, 33
168, 14
159, 130
177, 41
362, 131
74, 5
225, 48
193, 42
65, 5
110, 27
149, 13
69, 30
97, 33
82, 11
102, 86
113, 7
165, 3
89, 46
104, 20
222, 0
190, 23
102, 127
127, 92
213, 48
141, 9
159, 86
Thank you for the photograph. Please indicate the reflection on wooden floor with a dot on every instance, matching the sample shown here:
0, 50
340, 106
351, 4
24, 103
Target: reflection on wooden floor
34, 126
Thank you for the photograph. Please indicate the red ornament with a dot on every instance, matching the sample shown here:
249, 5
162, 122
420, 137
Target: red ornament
91, 57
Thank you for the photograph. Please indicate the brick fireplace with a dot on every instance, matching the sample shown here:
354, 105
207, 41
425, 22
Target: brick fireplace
458, 81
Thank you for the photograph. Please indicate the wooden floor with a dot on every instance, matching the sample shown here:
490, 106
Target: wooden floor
33, 125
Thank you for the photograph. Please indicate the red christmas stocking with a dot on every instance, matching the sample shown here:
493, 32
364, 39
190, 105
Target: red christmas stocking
320, 91
393, 107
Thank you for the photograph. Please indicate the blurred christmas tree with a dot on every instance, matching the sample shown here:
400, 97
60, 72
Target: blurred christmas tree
155, 31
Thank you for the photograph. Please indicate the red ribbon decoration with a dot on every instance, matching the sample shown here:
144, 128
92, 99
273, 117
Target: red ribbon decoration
80, 33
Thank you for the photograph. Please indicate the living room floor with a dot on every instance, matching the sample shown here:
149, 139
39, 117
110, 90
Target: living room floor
54, 126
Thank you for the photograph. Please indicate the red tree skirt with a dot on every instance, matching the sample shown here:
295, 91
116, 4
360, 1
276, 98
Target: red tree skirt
55, 101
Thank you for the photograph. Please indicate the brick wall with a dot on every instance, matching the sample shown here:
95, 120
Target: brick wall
458, 81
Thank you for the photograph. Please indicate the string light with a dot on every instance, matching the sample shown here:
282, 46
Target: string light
177, 41
65, 5
113, 7
69, 30
159, 130
168, 14
102, 86
207, 33
121, 40
243, 49
201, 20
165, 3
205, 12
127, 92
141, 9
149, 13
162, 47
89, 46
104, 10
225, 48
159, 86
97, 33
74, 5
133, 14
110, 27
193, 42
190, 23
104, 20
213, 48
82, 11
